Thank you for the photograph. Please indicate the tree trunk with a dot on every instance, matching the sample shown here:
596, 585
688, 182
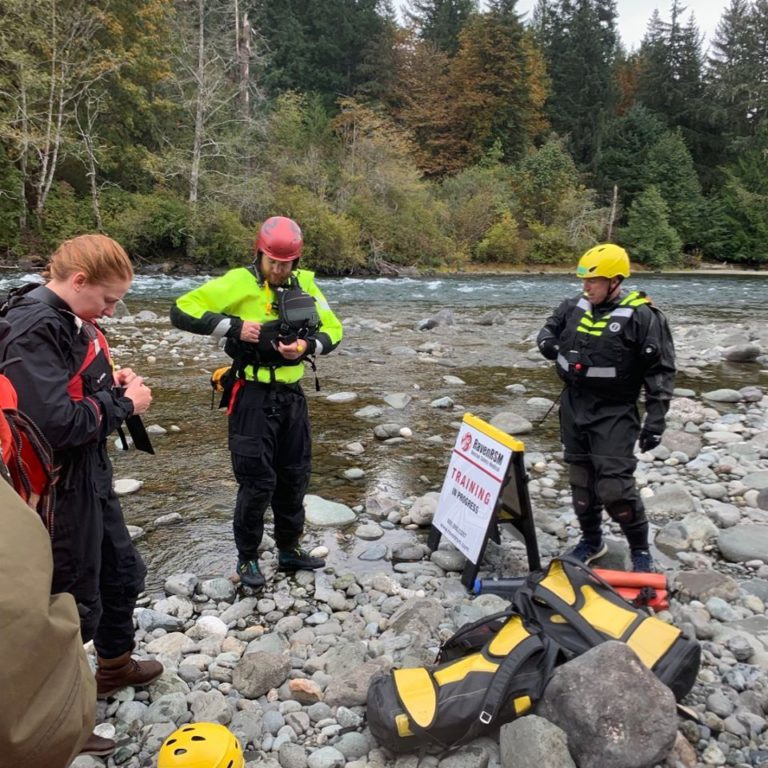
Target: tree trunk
612, 216
197, 147
86, 133
244, 59
23, 218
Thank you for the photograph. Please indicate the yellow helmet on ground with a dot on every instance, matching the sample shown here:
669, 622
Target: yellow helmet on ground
201, 745
606, 260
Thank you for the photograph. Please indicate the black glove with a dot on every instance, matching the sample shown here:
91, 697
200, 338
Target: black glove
648, 440
549, 347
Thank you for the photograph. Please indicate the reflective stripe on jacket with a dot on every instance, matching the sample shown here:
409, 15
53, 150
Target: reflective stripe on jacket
209, 308
598, 352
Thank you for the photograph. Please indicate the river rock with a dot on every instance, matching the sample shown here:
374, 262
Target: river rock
397, 400
136, 532
257, 672
722, 396
629, 720
743, 543
341, 397
511, 423
124, 486
756, 480
369, 531
369, 412
423, 510
742, 353
182, 584
387, 430
670, 501
702, 585
322, 512
679, 440
534, 741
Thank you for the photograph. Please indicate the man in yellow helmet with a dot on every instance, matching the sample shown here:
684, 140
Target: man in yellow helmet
607, 345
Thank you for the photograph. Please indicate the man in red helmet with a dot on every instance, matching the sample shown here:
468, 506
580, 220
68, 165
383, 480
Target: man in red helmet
273, 318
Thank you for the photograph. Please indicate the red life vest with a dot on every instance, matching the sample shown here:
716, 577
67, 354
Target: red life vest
96, 372
27, 458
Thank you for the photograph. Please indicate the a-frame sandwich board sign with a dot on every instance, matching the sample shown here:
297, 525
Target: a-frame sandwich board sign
485, 484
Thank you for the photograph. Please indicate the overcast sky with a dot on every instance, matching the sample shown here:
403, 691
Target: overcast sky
634, 16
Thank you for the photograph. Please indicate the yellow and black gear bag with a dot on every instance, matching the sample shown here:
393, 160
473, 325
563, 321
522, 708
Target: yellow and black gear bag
577, 610
457, 701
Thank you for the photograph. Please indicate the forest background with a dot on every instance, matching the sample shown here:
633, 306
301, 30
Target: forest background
460, 137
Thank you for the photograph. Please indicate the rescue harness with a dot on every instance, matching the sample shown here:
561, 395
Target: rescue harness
297, 319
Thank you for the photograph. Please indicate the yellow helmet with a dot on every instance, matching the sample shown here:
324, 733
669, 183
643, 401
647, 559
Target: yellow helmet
606, 260
201, 745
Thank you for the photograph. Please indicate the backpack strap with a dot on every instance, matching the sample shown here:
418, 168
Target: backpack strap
455, 640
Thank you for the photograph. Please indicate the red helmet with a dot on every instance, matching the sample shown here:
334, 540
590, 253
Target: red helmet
280, 238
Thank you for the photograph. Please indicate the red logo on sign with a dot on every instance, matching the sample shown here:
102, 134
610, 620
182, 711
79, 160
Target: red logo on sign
466, 441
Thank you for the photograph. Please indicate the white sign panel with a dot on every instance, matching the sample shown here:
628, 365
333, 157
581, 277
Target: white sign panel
472, 485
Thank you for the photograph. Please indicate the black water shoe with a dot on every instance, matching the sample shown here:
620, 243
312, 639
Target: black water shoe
249, 573
297, 559
587, 551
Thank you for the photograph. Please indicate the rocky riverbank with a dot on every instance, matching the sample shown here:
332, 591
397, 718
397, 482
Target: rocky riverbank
288, 670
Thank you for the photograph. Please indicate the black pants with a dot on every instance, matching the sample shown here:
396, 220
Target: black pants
598, 438
94, 558
271, 448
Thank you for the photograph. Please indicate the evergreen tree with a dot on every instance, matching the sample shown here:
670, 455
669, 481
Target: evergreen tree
671, 75
441, 21
580, 46
669, 169
496, 84
649, 236
324, 46
737, 77
628, 139
738, 222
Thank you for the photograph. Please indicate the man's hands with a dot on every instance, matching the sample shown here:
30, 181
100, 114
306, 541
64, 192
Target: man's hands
250, 331
648, 440
294, 350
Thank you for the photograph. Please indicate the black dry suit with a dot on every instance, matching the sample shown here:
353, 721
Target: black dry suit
605, 355
64, 380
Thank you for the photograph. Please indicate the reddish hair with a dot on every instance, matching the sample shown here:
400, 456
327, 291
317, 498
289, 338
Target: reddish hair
98, 257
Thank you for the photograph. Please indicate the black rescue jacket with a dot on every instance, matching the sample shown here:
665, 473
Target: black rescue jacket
614, 351
64, 376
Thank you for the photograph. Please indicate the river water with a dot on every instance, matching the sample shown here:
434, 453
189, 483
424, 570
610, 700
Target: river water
190, 472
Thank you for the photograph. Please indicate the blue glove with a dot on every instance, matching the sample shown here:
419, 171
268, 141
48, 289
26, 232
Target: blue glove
648, 440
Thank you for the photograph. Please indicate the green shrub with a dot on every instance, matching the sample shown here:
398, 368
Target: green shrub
221, 239
65, 215
549, 245
501, 243
331, 240
151, 226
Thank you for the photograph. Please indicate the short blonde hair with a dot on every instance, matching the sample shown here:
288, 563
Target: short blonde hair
98, 257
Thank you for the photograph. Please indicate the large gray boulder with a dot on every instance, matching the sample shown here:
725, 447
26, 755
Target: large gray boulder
615, 712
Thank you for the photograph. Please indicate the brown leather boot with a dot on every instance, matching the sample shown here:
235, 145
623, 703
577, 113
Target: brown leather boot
114, 674
99, 746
